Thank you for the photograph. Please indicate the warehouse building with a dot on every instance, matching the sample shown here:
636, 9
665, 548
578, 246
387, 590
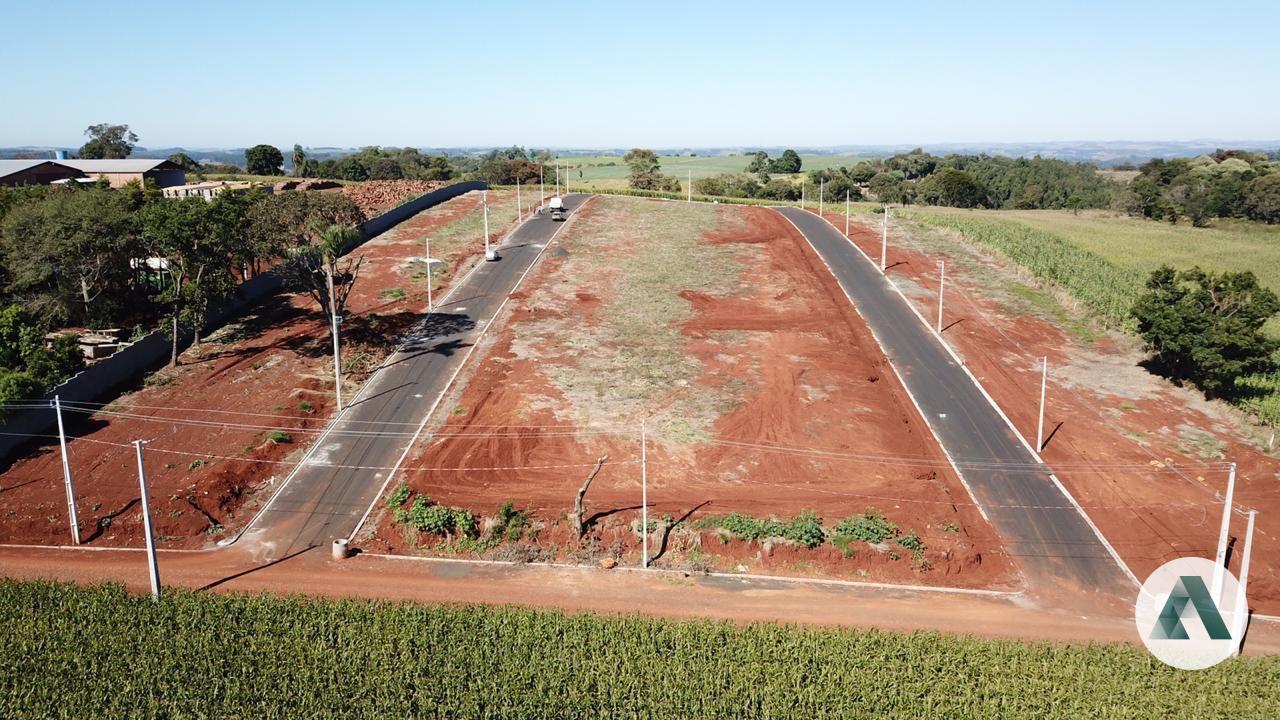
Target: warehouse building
121, 172
35, 172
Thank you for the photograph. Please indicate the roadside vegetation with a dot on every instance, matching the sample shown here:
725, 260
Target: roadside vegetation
356, 658
1214, 328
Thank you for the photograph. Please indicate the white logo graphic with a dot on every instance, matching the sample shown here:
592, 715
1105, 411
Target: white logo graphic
1190, 613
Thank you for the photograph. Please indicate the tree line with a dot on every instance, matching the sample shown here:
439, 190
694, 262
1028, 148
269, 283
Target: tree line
96, 257
1227, 184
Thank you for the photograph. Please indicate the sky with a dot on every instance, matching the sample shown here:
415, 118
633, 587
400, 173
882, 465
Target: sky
656, 74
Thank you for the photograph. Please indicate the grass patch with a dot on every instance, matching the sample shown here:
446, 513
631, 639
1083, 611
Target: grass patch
394, 293
62, 640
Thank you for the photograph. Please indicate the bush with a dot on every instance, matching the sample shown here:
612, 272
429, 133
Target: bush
871, 527
424, 516
398, 496
805, 529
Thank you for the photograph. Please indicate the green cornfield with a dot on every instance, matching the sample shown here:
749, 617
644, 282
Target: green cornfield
81, 652
1106, 289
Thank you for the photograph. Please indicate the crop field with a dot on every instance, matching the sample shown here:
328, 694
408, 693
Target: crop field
610, 172
73, 652
720, 330
1134, 246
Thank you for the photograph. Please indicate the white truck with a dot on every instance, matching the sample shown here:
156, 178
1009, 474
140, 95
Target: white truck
558, 211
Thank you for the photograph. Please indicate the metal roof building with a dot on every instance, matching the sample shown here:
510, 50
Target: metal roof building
35, 172
119, 172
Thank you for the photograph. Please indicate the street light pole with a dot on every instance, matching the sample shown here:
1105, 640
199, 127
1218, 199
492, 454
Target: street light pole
884, 238
644, 496
846, 213
66, 474
430, 279
152, 568
822, 194
542, 189
1220, 559
942, 286
333, 330
519, 207
484, 198
1044, 381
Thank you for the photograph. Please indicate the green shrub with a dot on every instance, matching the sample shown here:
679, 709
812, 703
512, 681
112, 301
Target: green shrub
805, 529
871, 527
278, 437
398, 496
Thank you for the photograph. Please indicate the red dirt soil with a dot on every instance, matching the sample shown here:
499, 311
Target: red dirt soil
1120, 451
206, 480
815, 379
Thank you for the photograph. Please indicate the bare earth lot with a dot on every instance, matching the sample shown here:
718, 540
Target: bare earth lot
212, 456
719, 328
1147, 460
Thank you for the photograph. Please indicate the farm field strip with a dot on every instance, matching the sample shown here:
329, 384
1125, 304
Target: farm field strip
535, 664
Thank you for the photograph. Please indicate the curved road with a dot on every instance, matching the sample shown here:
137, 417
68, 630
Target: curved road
320, 501
1050, 539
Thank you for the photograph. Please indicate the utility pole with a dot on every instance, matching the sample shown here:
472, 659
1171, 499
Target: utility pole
430, 279
884, 238
66, 474
644, 496
690, 188
484, 199
152, 568
1220, 559
542, 189
1241, 615
519, 207
801, 193
822, 194
846, 213
334, 319
1044, 381
942, 286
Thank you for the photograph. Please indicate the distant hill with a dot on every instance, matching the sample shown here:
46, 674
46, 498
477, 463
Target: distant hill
1104, 153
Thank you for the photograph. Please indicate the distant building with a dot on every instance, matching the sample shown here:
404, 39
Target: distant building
207, 190
121, 172
35, 172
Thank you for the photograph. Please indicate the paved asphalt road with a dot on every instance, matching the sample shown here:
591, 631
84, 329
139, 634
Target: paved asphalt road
321, 502
1049, 539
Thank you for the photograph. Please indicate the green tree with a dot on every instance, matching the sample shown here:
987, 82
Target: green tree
299, 160
955, 188
887, 187
183, 232
1262, 198
787, 164
323, 270
1206, 328
645, 169
263, 160
759, 163
185, 161
68, 252
109, 142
